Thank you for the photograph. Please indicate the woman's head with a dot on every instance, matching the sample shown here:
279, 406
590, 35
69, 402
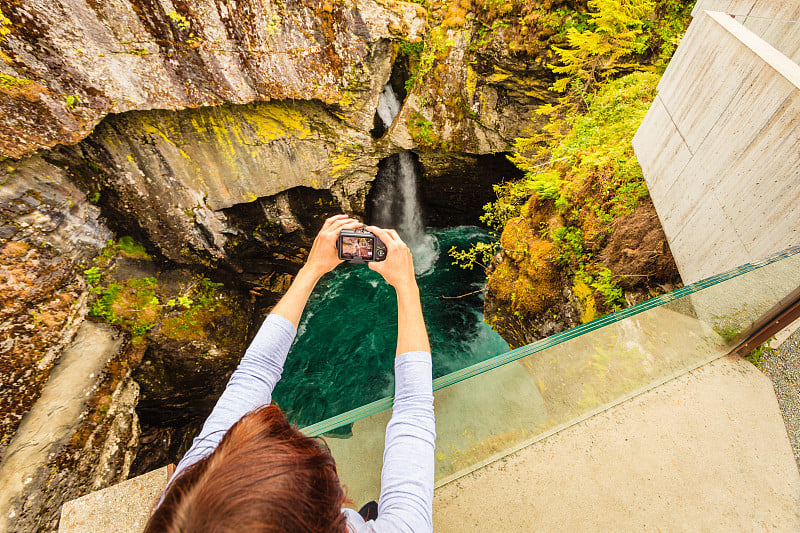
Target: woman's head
264, 476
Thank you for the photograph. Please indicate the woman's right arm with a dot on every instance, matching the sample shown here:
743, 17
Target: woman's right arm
406, 500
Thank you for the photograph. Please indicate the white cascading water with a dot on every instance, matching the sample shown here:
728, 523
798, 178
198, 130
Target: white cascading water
396, 203
388, 106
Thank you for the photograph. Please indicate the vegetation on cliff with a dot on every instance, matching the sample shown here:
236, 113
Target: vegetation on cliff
582, 181
139, 303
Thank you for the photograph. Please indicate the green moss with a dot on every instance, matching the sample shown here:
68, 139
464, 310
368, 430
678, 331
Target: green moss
423, 131
132, 305
11, 81
528, 287
131, 249
190, 316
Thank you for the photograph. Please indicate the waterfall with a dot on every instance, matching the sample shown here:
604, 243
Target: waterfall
388, 105
395, 202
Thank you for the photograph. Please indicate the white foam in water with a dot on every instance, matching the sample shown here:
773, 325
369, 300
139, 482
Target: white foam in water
425, 252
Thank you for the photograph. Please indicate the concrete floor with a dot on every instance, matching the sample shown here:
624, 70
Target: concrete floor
705, 452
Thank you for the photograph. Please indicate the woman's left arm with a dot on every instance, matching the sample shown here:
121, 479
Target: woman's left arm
260, 369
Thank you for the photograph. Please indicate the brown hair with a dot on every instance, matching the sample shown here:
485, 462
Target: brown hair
264, 476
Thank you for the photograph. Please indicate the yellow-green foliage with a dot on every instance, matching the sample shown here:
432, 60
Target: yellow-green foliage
131, 249
339, 161
600, 176
5, 24
423, 131
71, 100
11, 81
524, 26
580, 168
180, 20
585, 296
184, 25
422, 61
594, 177
616, 31
138, 305
189, 316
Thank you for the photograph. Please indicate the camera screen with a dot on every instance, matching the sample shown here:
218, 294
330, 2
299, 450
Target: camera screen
353, 247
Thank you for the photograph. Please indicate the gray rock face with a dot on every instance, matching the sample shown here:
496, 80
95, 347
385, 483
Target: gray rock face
40, 204
476, 98
173, 171
68, 63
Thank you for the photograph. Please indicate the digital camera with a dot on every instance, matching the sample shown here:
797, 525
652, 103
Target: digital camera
360, 246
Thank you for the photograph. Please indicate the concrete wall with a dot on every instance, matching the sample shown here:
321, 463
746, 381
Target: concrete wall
779, 9
720, 148
775, 21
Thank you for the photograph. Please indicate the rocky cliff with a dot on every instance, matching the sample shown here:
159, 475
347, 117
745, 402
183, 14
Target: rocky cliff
67, 64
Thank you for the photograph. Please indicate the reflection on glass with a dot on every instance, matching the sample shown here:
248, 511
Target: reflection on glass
492, 408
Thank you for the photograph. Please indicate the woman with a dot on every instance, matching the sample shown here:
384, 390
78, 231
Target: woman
249, 470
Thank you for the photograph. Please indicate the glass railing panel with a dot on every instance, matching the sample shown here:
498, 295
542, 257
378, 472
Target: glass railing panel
490, 409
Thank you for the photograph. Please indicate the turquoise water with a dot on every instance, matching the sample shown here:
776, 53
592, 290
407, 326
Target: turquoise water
343, 356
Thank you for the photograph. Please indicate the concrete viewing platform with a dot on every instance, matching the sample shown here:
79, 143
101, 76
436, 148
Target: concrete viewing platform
707, 450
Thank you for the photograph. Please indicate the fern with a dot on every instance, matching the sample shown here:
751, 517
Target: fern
594, 54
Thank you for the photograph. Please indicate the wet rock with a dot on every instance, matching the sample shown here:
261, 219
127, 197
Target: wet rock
41, 204
174, 172
41, 306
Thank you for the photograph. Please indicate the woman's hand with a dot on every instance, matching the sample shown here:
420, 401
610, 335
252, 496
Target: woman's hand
398, 268
323, 256
321, 260
398, 271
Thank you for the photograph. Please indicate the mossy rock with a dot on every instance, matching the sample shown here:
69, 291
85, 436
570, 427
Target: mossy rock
532, 289
515, 238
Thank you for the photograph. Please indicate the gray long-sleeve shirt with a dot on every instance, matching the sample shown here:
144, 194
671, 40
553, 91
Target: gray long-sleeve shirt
406, 498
